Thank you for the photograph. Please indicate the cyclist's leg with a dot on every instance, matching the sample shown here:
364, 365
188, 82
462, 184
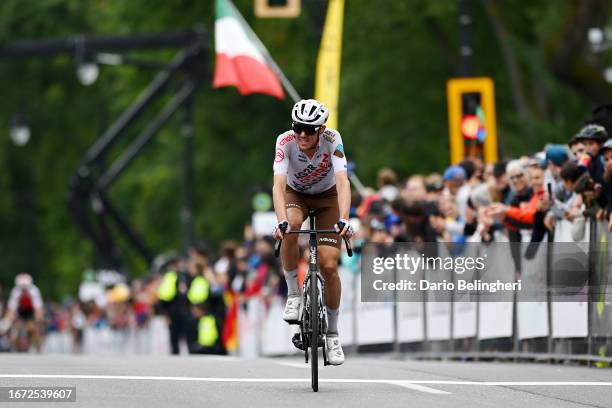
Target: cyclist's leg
328, 264
34, 334
20, 334
327, 215
296, 211
14, 332
289, 249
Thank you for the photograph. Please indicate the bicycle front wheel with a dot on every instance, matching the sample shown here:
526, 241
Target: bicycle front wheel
314, 333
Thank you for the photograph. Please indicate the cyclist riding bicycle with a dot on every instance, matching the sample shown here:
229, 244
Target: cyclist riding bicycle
25, 307
310, 172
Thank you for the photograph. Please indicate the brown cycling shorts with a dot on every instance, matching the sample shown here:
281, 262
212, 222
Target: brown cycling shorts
326, 209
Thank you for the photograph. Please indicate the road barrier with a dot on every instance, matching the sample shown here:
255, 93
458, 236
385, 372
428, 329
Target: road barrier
515, 329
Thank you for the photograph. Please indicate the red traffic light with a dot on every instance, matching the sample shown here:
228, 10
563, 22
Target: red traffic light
469, 126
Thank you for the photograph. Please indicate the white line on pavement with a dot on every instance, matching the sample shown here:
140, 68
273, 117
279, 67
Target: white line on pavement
512, 383
290, 364
323, 380
416, 387
401, 383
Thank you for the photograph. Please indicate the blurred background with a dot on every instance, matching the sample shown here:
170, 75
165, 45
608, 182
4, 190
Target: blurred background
190, 207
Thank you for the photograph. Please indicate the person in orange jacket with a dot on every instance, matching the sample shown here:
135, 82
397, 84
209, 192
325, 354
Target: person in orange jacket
523, 215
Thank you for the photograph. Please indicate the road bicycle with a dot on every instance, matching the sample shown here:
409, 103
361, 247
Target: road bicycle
312, 318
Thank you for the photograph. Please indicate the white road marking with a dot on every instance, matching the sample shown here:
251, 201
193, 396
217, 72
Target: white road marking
401, 383
411, 384
417, 387
291, 364
514, 383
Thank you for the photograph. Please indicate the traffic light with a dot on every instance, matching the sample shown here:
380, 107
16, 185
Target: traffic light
471, 119
277, 8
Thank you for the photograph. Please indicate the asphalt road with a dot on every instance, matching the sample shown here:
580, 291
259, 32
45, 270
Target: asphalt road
202, 381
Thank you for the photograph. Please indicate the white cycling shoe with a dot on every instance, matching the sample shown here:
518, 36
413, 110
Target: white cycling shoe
291, 314
333, 348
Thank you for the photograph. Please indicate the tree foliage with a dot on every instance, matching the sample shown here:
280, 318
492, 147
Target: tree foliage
397, 57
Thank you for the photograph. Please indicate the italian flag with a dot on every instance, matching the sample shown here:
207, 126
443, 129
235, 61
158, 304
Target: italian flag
240, 60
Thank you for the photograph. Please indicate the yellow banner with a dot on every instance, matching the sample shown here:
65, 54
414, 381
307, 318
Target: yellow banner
327, 85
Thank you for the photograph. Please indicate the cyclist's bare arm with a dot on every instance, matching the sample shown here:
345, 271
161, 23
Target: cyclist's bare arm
343, 186
278, 197
39, 311
11, 306
9, 316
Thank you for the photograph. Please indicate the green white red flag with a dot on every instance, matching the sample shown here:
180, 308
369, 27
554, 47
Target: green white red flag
240, 60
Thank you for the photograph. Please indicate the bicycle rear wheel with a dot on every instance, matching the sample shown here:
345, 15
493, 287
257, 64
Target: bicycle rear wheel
314, 334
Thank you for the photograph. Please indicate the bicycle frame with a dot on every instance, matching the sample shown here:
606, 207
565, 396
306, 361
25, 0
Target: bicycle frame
313, 323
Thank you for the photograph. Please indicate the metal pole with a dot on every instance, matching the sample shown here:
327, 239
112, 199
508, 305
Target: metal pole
356, 297
476, 345
396, 342
262, 48
187, 211
465, 49
591, 281
426, 345
157, 86
134, 238
145, 137
515, 333
52, 47
549, 302
451, 334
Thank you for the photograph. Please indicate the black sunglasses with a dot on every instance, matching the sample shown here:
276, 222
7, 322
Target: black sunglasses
310, 130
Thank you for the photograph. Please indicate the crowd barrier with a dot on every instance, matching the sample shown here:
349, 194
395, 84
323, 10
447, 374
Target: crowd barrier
151, 339
579, 329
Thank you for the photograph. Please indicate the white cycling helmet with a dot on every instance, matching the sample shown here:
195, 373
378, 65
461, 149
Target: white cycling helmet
23, 280
309, 112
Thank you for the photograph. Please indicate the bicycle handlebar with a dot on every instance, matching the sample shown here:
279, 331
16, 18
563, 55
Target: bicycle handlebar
283, 228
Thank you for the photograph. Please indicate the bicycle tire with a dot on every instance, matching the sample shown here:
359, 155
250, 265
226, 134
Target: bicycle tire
314, 334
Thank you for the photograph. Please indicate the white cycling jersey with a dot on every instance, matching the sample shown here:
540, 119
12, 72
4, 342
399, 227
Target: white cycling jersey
310, 175
13, 301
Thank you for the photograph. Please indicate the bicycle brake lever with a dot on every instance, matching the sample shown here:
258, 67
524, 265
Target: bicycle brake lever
349, 250
277, 245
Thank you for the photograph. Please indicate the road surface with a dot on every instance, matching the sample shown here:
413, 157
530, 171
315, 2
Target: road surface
207, 381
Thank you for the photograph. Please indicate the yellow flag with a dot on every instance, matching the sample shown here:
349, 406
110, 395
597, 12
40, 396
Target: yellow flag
327, 86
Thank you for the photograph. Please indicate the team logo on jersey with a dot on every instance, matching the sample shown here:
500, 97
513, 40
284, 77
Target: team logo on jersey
286, 139
311, 175
280, 156
339, 152
328, 137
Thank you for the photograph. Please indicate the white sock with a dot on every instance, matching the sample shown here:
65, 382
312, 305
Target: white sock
292, 283
332, 320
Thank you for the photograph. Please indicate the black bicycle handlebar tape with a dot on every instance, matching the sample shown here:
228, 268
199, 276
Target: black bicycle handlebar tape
277, 245
349, 250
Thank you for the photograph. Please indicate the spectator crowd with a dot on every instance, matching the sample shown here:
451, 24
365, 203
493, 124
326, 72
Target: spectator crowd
200, 294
